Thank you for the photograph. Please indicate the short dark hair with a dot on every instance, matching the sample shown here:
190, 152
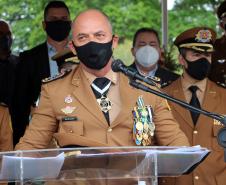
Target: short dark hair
55, 4
143, 30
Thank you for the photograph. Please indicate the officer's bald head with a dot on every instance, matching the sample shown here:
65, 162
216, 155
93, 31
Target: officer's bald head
92, 15
91, 23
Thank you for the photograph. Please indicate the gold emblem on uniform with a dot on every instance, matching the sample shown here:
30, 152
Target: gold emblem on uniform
143, 127
216, 122
104, 103
203, 36
68, 109
68, 99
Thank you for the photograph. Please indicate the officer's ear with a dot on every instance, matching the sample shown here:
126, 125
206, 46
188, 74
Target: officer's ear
115, 40
44, 25
221, 24
133, 51
182, 60
71, 46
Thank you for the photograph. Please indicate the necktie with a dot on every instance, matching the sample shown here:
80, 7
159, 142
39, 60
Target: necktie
100, 87
195, 103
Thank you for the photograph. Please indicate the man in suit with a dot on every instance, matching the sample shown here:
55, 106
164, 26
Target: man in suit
195, 47
92, 106
147, 52
218, 68
37, 64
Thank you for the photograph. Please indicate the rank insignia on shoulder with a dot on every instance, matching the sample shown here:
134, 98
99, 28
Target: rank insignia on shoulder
221, 61
143, 126
216, 122
60, 75
165, 84
221, 84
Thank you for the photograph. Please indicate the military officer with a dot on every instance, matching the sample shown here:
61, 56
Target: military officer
218, 69
195, 46
148, 53
92, 105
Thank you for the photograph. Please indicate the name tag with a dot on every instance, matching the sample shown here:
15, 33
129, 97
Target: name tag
69, 119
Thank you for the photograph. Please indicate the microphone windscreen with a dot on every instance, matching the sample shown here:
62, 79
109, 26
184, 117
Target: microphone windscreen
116, 65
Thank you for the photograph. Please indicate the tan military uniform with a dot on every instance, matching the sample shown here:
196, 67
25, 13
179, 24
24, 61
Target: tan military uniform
6, 138
218, 68
213, 170
72, 98
89, 127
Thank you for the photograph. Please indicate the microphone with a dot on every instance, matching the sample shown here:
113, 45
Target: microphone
118, 66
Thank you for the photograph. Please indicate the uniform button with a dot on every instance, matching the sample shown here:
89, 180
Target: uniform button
196, 177
195, 132
109, 129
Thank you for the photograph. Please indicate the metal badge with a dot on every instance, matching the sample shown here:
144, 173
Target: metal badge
68, 109
104, 103
143, 127
216, 122
68, 99
203, 36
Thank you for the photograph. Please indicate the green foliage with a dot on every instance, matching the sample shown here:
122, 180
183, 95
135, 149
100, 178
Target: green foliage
127, 16
26, 16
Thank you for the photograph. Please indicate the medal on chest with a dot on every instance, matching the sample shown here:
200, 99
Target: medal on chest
143, 126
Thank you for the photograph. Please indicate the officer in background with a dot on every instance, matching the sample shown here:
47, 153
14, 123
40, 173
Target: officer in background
8, 64
218, 69
195, 47
147, 52
36, 64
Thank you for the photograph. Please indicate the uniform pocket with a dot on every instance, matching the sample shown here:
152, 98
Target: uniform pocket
215, 144
75, 127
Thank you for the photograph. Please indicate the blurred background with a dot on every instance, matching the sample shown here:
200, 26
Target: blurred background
25, 18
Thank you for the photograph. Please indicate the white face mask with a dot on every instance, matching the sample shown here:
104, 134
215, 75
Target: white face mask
147, 56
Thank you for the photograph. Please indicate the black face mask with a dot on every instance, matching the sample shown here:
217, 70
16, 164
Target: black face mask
94, 55
58, 30
5, 43
198, 69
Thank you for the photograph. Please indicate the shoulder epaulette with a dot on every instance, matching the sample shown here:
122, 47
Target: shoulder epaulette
60, 75
165, 84
221, 84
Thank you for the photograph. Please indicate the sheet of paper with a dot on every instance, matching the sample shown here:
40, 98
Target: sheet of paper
31, 168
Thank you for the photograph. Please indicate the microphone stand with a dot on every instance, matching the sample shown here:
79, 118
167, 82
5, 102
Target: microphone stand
221, 137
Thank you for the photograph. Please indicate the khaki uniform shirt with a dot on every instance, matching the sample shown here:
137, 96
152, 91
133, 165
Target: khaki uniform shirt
212, 171
72, 97
89, 126
6, 138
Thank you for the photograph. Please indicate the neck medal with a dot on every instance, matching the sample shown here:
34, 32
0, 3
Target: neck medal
104, 103
143, 126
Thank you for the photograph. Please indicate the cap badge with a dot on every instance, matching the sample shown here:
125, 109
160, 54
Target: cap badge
203, 36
